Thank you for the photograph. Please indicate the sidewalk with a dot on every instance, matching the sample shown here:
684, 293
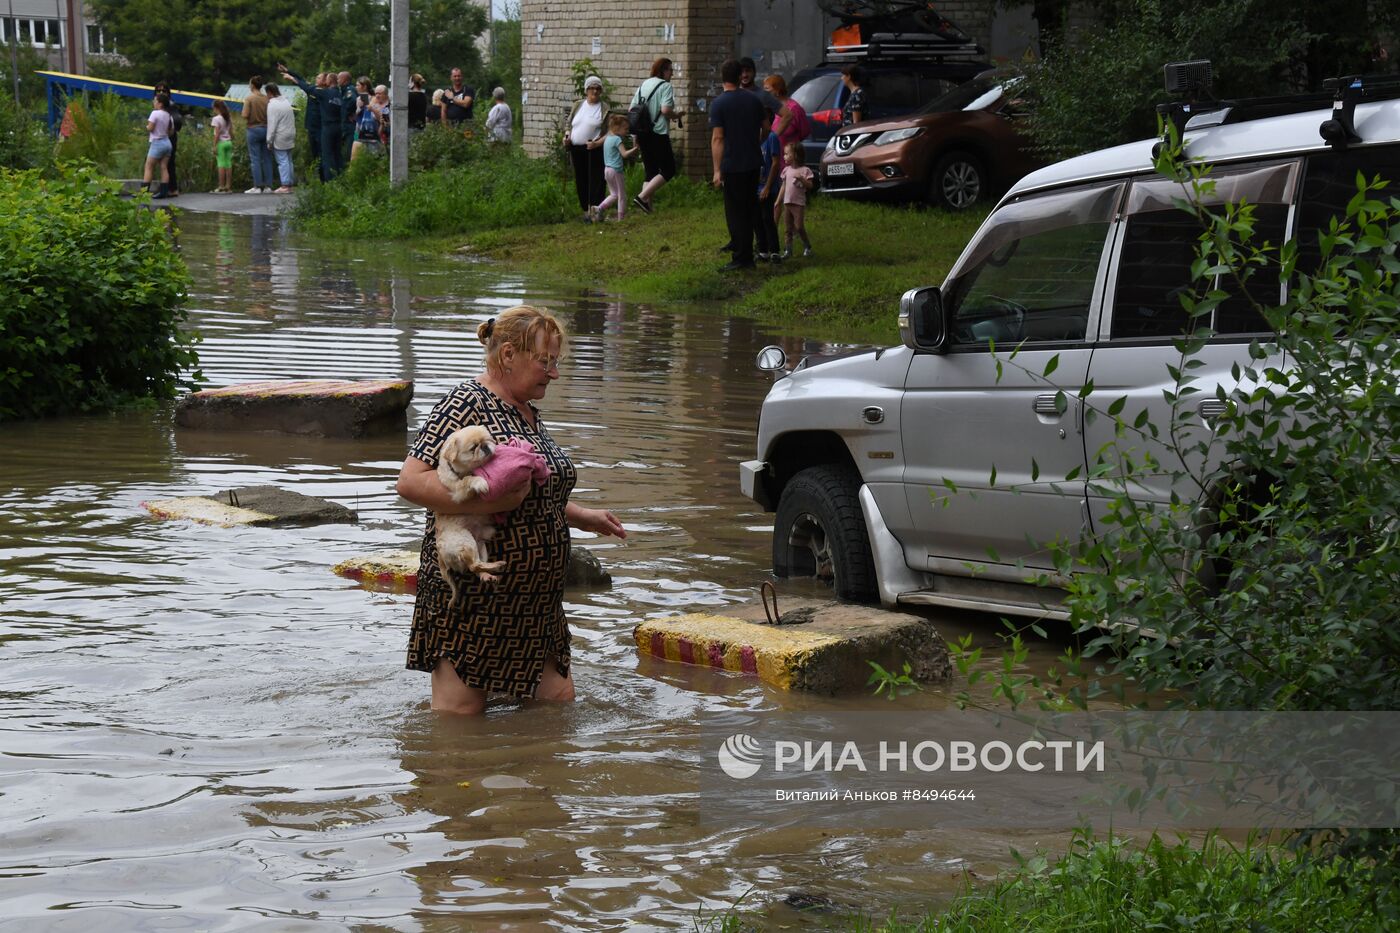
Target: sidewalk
266, 205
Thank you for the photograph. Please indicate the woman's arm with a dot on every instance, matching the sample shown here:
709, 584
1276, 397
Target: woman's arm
419, 484
784, 119
598, 521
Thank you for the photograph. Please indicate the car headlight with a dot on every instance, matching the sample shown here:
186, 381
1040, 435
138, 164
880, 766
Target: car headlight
831, 143
896, 136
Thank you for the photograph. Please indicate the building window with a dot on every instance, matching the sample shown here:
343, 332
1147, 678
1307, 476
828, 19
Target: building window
36, 32
97, 41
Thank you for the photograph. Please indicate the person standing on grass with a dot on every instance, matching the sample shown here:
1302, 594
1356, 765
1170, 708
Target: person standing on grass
223, 147
417, 103
158, 148
177, 122
327, 98
348, 94
797, 181
769, 185
457, 101
255, 116
856, 108
281, 135
613, 154
584, 140
658, 98
736, 123
312, 122
500, 121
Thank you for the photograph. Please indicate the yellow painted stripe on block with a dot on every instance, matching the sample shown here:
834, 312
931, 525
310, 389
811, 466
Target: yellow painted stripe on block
779, 652
207, 512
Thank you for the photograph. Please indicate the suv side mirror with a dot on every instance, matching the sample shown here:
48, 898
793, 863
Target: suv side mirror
921, 324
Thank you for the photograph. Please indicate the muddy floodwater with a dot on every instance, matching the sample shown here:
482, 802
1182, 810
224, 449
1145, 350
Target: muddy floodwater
206, 729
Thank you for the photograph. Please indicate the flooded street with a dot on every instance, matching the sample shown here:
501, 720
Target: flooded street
206, 729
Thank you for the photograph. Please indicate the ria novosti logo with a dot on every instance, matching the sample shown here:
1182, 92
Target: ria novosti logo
740, 756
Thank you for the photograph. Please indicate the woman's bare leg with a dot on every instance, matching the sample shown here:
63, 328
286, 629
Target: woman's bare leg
450, 695
554, 686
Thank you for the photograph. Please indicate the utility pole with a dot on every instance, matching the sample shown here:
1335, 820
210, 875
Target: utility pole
14, 51
398, 92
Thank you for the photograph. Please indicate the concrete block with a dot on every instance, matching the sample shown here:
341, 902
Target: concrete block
397, 571
825, 655
261, 506
332, 408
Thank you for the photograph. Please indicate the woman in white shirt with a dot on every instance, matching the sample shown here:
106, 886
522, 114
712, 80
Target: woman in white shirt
584, 140
158, 152
499, 121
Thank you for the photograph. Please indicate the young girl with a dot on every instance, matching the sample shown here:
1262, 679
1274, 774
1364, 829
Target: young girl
613, 154
223, 146
158, 154
792, 202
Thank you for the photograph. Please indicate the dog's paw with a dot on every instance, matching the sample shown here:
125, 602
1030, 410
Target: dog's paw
485, 577
478, 486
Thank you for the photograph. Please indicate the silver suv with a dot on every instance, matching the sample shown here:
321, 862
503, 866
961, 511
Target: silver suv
1086, 260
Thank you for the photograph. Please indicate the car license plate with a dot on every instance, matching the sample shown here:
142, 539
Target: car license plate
841, 168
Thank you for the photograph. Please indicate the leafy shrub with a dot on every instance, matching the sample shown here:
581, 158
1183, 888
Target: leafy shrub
108, 131
92, 295
494, 188
24, 140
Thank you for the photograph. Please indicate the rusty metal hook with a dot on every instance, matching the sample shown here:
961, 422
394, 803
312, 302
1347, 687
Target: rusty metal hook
767, 592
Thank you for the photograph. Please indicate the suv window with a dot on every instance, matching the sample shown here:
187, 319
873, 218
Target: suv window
894, 91
819, 93
1030, 276
1329, 183
1159, 245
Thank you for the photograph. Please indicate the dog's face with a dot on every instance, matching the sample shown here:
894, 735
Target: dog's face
468, 449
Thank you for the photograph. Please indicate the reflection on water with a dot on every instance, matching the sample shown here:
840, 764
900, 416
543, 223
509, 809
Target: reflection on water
204, 728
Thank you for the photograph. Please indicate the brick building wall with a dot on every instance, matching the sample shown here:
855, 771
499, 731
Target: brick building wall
622, 40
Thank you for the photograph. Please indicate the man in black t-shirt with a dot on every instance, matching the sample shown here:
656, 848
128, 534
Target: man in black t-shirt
736, 128
457, 100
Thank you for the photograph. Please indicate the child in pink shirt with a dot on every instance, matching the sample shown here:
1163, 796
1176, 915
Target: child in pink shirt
797, 180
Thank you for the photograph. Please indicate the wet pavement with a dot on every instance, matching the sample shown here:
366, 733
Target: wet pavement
204, 728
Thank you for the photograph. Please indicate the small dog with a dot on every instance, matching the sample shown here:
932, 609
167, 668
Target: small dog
461, 539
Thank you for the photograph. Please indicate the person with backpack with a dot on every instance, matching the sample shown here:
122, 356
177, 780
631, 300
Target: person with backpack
649, 116
366, 119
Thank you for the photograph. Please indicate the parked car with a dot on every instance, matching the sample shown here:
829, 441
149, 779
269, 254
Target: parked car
1082, 261
894, 88
954, 151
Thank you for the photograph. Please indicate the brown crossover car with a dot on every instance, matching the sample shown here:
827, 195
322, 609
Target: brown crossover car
959, 148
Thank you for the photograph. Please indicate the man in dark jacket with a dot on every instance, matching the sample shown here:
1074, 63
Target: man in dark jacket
327, 101
313, 124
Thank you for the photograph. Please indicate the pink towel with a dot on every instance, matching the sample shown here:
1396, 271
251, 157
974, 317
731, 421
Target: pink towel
513, 462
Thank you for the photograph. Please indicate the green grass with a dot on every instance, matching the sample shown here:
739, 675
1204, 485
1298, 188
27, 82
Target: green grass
866, 256
523, 212
1106, 887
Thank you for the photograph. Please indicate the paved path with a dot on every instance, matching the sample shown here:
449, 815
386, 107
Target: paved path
250, 204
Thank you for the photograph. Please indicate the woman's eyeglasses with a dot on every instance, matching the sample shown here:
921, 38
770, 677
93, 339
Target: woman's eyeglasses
546, 362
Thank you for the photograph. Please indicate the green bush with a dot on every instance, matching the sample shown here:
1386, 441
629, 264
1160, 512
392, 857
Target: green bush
493, 188
24, 140
92, 296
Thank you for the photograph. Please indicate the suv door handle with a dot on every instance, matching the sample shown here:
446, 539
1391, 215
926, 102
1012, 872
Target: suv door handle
1212, 408
1046, 405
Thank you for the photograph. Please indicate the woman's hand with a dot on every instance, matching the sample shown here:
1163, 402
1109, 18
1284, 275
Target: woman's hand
598, 521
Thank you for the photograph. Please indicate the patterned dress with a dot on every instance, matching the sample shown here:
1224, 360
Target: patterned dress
497, 635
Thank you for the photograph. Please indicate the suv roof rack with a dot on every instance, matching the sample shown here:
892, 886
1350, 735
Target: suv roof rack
894, 29
1343, 94
904, 47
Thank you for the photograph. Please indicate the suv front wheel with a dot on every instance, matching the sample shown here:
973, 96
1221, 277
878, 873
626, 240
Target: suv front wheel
957, 182
820, 532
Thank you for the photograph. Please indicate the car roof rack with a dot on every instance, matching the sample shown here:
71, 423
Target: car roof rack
894, 29
903, 47
1343, 94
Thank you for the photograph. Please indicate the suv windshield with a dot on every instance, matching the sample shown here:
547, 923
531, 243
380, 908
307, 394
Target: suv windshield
982, 91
